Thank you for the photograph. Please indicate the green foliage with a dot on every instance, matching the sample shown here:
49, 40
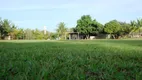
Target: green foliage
112, 27
61, 30
28, 34
1, 28
84, 25
87, 26
126, 27
19, 34
38, 35
5, 27
134, 26
125, 30
98, 27
13, 32
9, 29
53, 36
139, 24
71, 60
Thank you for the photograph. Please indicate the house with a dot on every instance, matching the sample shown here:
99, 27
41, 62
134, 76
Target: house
73, 35
7, 38
77, 35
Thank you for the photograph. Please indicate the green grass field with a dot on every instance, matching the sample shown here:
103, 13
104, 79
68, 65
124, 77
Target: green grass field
71, 60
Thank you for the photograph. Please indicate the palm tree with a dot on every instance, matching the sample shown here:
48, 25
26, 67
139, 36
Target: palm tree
133, 27
139, 24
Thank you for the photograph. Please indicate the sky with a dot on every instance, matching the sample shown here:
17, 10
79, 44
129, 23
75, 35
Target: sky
39, 13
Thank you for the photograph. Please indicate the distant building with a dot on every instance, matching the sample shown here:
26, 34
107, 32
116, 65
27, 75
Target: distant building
7, 38
77, 35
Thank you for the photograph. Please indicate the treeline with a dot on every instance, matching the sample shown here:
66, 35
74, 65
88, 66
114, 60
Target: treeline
117, 29
8, 29
85, 26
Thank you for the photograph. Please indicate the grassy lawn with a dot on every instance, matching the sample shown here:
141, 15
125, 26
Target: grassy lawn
71, 60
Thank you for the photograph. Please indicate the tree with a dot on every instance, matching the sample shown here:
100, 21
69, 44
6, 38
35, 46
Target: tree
53, 36
20, 34
112, 27
139, 24
5, 28
38, 35
134, 27
84, 25
97, 27
13, 32
61, 30
8, 29
28, 34
87, 26
125, 30
1, 28
45, 36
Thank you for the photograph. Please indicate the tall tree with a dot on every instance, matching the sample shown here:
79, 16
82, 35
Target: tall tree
28, 34
134, 27
97, 27
1, 28
87, 26
139, 24
13, 32
126, 29
112, 27
61, 30
20, 34
37, 34
5, 28
84, 25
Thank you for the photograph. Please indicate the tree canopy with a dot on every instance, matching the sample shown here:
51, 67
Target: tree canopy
87, 26
112, 27
61, 30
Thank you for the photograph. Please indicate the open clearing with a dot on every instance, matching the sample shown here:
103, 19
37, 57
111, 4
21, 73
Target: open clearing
71, 60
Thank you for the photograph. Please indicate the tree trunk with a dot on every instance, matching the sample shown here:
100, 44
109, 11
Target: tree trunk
0, 35
65, 36
113, 36
139, 33
87, 36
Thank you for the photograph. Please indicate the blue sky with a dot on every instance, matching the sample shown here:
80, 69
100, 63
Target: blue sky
38, 13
